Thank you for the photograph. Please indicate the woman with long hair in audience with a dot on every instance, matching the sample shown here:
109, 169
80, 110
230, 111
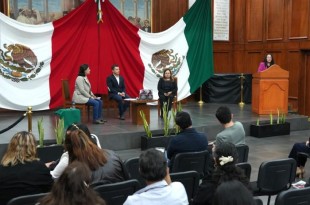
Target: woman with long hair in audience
225, 156
72, 188
105, 165
59, 166
233, 193
21, 172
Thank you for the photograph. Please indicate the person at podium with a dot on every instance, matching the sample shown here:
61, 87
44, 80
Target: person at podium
268, 61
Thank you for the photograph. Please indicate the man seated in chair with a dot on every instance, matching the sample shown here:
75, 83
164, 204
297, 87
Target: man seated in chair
117, 90
159, 190
188, 140
233, 132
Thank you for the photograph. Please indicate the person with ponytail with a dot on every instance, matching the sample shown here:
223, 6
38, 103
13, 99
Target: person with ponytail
225, 156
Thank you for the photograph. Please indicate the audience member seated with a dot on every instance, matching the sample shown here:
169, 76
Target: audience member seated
21, 172
159, 190
83, 95
105, 165
72, 188
233, 132
188, 140
59, 166
167, 90
233, 193
300, 159
117, 90
225, 156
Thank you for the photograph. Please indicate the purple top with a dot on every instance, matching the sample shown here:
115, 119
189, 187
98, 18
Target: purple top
261, 67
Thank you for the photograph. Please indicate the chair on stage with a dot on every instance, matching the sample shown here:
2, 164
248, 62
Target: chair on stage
191, 161
243, 152
67, 101
294, 197
117, 193
190, 180
27, 199
273, 177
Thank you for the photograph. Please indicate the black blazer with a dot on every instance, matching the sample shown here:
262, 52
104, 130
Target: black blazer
113, 86
162, 90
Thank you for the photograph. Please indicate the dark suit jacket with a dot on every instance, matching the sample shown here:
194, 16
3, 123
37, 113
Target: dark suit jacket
161, 87
188, 140
113, 86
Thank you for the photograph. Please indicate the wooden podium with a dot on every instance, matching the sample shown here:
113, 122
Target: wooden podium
270, 91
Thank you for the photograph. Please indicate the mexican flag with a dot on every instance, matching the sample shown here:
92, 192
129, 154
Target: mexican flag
34, 58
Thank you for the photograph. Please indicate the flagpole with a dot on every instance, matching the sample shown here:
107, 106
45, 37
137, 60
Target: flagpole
241, 103
200, 102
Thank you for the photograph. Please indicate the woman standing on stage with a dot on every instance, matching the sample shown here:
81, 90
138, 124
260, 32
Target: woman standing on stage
167, 90
268, 61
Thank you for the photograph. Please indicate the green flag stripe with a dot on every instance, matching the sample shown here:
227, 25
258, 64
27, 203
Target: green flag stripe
198, 33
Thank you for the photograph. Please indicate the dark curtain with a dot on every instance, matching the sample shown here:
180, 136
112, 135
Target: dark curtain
225, 88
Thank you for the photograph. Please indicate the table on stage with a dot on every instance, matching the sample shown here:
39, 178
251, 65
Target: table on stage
136, 105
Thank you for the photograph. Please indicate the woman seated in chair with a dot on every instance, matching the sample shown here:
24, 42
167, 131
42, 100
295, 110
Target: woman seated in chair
83, 94
225, 156
59, 166
105, 165
21, 172
73, 188
300, 158
167, 90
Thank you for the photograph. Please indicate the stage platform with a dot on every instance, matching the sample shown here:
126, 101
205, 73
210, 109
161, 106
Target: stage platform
123, 134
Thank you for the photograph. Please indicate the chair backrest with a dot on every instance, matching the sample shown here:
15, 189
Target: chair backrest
117, 193
26, 200
243, 153
191, 161
276, 175
65, 92
131, 167
258, 201
294, 197
246, 167
189, 179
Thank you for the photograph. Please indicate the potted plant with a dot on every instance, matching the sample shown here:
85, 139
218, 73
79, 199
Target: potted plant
162, 140
271, 128
48, 153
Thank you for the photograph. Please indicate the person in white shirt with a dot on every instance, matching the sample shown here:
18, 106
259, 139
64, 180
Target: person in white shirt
159, 190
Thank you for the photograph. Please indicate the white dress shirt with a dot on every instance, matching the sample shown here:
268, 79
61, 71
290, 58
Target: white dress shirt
159, 193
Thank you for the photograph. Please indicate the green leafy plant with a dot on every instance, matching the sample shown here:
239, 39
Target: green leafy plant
41, 132
167, 119
60, 131
145, 125
282, 118
174, 113
257, 122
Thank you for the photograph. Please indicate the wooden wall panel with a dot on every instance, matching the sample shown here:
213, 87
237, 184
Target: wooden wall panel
293, 57
253, 58
254, 20
275, 19
298, 18
166, 13
222, 62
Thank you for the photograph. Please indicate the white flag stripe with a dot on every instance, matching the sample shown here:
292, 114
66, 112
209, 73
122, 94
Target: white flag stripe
172, 38
34, 92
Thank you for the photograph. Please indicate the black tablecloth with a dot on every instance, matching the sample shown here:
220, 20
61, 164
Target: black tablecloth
225, 88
